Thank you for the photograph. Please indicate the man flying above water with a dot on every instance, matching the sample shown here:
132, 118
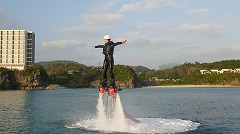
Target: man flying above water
108, 49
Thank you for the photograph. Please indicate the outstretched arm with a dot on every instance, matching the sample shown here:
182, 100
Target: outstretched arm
99, 46
118, 43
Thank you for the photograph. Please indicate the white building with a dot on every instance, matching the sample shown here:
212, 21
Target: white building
236, 70
215, 71
17, 49
204, 71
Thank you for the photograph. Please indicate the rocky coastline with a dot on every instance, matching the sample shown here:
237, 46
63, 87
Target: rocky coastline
34, 78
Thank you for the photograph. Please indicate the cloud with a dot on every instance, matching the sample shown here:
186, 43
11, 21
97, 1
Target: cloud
162, 41
199, 13
167, 42
235, 48
201, 54
82, 30
61, 49
66, 50
146, 5
218, 53
6, 22
101, 19
203, 29
106, 6
63, 45
93, 23
135, 39
149, 25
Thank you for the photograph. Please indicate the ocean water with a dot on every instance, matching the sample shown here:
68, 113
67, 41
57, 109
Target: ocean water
160, 110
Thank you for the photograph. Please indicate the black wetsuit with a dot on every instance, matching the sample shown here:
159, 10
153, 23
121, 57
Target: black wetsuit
108, 49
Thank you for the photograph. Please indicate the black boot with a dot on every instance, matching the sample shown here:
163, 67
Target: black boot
113, 84
104, 83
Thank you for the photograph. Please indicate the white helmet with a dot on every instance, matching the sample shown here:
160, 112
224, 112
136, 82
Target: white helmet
107, 37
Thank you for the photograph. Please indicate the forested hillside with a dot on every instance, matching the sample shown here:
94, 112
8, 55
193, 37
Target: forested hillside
189, 73
77, 75
73, 74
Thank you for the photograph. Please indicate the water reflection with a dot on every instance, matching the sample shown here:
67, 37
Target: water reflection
13, 112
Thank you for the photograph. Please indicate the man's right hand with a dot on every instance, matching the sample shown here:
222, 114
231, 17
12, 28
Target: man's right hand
124, 41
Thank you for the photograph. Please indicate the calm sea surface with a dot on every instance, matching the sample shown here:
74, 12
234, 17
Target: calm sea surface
50, 111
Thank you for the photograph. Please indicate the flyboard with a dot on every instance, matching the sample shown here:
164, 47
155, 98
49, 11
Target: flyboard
113, 92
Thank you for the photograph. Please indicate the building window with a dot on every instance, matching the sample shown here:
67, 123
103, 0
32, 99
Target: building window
0, 60
29, 41
12, 56
18, 56
7, 37
13, 32
6, 51
18, 37
12, 46
12, 60
1, 42
1, 32
6, 56
19, 32
1, 46
18, 61
29, 46
6, 60
30, 35
1, 38
7, 32
13, 42
18, 51
13, 37
1, 52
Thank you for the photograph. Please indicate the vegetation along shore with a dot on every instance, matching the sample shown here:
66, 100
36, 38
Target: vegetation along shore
71, 74
195, 86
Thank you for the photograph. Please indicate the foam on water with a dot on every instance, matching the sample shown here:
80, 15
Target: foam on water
110, 118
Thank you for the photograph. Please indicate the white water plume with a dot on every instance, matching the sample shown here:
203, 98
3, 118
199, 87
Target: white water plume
110, 117
101, 117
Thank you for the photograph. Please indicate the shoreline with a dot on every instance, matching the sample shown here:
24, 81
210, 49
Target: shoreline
194, 86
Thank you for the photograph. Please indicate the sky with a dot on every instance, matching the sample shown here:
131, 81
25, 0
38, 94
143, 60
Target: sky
158, 31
